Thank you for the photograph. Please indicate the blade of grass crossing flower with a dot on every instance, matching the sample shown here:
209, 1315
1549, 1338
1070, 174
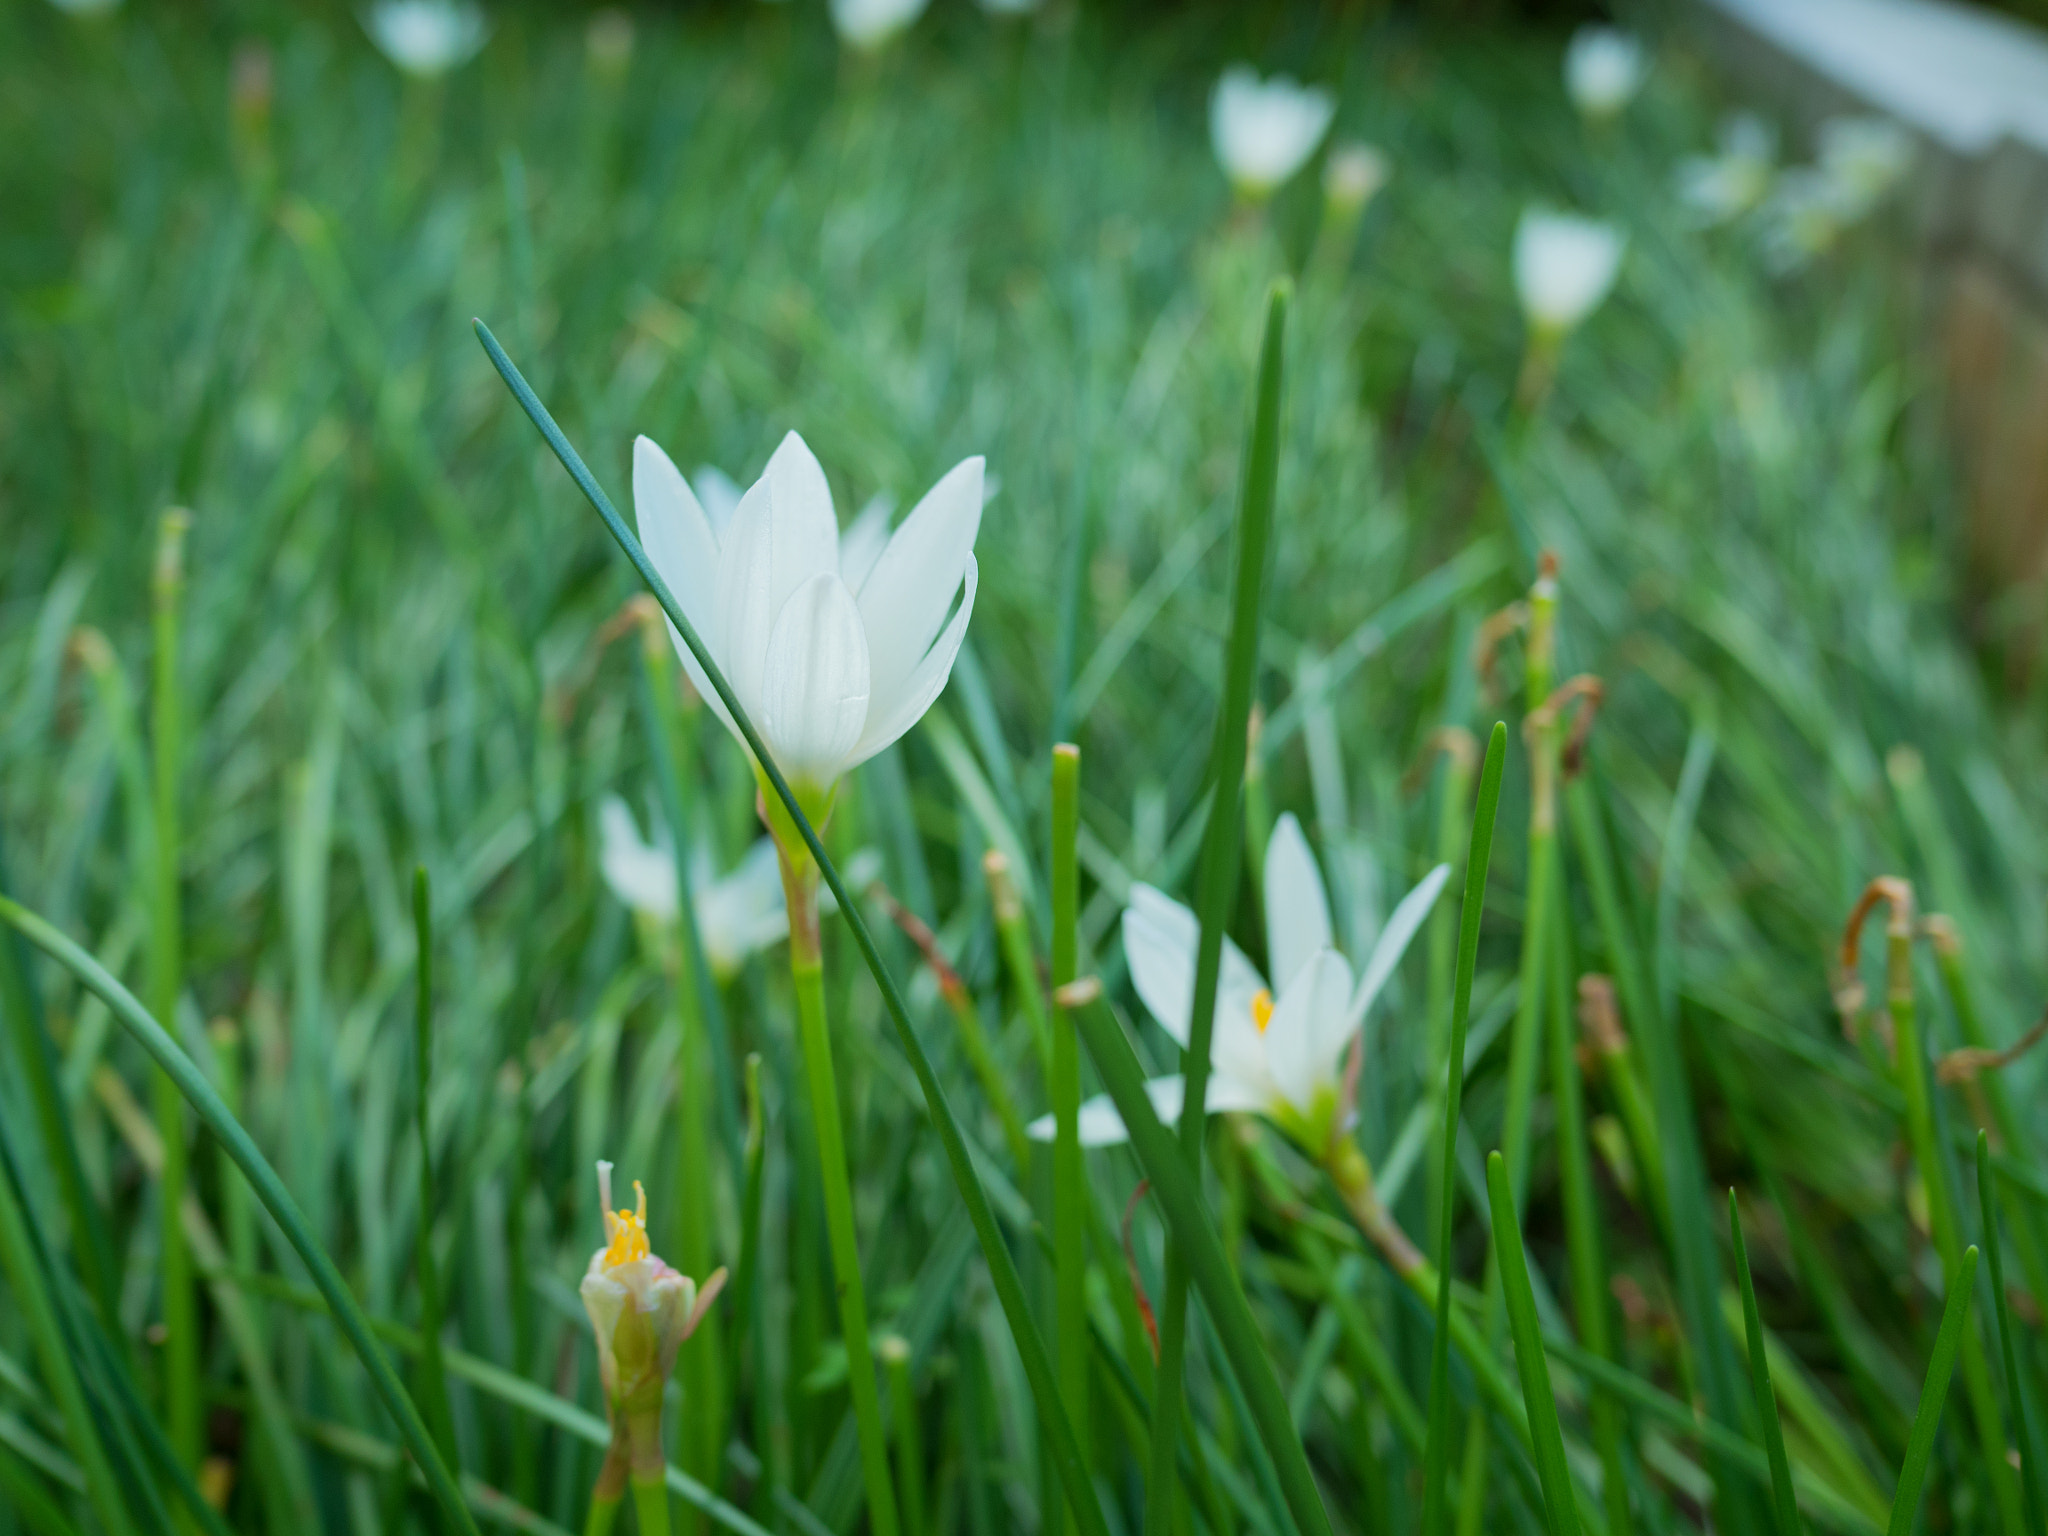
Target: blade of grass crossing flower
1783, 1505
432, 1380
1070, 1197
1927, 1417
166, 942
1216, 879
270, 1189
1030, 1343
1479, 854
1559, 1510
1194, 1232
2022, 1433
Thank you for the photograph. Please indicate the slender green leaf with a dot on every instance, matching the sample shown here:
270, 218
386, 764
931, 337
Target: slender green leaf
2015, 1384
1927, 1417
1784, 1506
1530, 1363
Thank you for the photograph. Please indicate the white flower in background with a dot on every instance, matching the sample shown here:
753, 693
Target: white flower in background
1805, 215
1564, 266
640, 1309
1009, 7
868, 24
1278, 1052
609, 39
1265, 130
1719, 187
736, 915
1865, 157
1603, 69
835, 645
426, 37
86, 7
1353, 174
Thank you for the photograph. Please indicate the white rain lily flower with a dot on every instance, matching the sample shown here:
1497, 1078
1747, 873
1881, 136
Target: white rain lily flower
1276, 1051
1265, 130
1865, 157
834, 644
737, 914
641, 1310
1564, 266
1723, 186
426, 37
1353, 175
868, 24
1604, 67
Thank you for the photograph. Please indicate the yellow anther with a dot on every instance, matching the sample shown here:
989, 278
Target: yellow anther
627, 1232
1262, 1009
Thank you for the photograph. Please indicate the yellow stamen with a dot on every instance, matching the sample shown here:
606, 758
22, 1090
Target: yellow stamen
1262, 1009
627, 1232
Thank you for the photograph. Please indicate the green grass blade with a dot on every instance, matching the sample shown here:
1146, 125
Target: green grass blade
1437, 1454
1784, 1506
269, 1188
1070, 1196
1216, 878
433, 1375
1534, 1369
1009, 1286
2022, 1434
1927, 1417
1194, 1232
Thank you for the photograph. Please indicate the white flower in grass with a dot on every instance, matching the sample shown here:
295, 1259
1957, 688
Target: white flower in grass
1265, 130
1864, 157
86, 7
426, 37
1603, 69
1009, 7
1564, 266
641, 1310
737, 914
1353, 175
1716, 188
835, 645
1276, 1051
868, 24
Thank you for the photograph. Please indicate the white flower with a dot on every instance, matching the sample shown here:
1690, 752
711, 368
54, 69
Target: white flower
86, 7
1603, 69
1564, 266
1353, 174
1277, 1052
835, 646
1717, 188
1865, 156
426, 37
736, 915
1009, 7
640, 1309
1264, 131
868, 24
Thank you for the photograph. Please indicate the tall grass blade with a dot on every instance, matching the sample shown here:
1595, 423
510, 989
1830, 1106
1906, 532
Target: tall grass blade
1002, 1266
1437, 1453
1070, 1195
1559, 1509
1784, 1506
433, 1373
2022, 1433
192, 1083
1216, 879
1927, 1417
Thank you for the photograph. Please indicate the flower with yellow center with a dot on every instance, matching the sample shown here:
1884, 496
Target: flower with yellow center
1279, 1050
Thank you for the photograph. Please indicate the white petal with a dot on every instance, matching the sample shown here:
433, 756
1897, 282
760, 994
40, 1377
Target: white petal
906, 597
1102, 1126
743, 912
783, 534
861, 545
1160, 940
678, 538
641, 874
1306, 1035
889, 718
1393, 942
815, 686
1297, 911
719, 494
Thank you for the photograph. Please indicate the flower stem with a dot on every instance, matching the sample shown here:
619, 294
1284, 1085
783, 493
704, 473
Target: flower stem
650, 1503
806, 967
604, 1512
1069, 1172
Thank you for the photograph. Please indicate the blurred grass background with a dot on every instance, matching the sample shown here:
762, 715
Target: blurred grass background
997, 238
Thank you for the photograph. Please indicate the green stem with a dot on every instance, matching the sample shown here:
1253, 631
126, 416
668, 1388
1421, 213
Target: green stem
1530, 1361
650, 1504
2030, 1466
807, 971
604, 1513
1933, 1393
1070, 1198
1784, 1507
166, 945
1013, 934
433, 1378
750, 1295
910, 1473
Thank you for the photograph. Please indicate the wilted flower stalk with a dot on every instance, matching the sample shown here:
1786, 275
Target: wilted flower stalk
641, 1311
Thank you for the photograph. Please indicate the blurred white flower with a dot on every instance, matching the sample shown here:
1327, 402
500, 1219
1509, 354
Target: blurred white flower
868, 24
86, 7
1603, 69
1009, 7
1860, 160
1353, 174
1719, 187
609, 39
1865, 156
833, 651
426, 37
1265, 130
737, 914
1564, 266
1279, 1053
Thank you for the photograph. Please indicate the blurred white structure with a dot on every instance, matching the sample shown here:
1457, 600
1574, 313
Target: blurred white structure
867, 25
1603, 69
1564, 266
1265, 130
426, 38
